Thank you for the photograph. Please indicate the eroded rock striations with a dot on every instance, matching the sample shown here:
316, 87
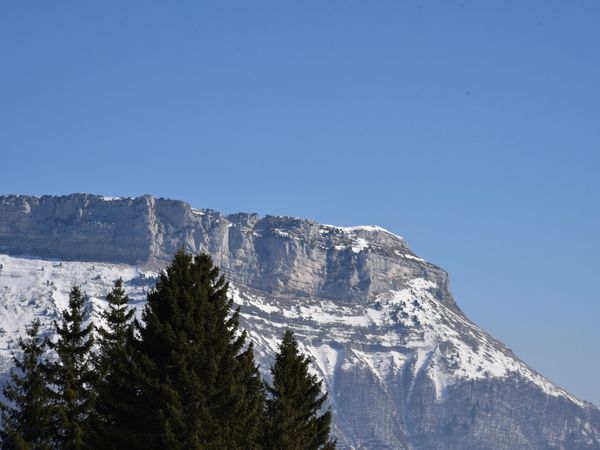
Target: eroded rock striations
404, 367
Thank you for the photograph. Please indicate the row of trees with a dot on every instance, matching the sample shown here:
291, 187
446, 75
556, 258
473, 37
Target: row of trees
184, 377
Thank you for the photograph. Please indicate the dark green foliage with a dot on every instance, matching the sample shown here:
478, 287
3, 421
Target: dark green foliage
72, 375
119, 320
295, 402
185, 378
112, 417
202, 388
26, 420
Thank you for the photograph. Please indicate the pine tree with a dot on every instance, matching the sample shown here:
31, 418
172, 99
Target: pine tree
295, 401
202, 390
72, 375
119, 321
26, 419
115, 373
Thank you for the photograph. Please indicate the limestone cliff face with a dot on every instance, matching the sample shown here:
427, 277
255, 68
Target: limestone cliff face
77, 227
404, 367
274, 254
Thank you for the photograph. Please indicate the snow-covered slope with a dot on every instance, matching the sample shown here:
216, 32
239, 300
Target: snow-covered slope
404, 367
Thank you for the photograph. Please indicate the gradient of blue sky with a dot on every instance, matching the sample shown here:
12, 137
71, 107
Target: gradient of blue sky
471, 128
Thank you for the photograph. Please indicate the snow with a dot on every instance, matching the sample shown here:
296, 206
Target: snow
357, 229
375, 316
370, 229
251, 300
360, 244
415, 258
109, 198
33, 288
384, 365
326, 313
422, 311
326, 358
432, 346
405, 328
460, 360
283, 233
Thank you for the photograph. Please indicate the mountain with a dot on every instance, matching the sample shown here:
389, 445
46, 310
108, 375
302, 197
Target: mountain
405, 368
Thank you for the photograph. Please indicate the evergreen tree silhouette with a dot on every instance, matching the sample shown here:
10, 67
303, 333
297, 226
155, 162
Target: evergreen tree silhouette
26, 417
72, 375
294, 403
112, 419
201, 386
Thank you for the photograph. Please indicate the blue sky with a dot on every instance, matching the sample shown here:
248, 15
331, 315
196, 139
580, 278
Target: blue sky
470, 128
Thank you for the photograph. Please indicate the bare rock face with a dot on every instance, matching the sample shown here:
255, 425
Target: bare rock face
77, 227
404, 367
274, 254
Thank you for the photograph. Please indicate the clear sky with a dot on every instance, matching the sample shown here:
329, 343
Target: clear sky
471, 128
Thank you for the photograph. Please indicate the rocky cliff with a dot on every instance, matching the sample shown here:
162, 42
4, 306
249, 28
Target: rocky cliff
274, 254
404, 367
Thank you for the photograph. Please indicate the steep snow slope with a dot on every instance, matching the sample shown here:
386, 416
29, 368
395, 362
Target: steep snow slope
403, 330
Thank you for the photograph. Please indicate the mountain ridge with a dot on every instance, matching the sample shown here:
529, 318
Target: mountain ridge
405, 367
147, 230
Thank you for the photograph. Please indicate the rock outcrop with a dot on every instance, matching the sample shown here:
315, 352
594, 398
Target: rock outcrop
273, 254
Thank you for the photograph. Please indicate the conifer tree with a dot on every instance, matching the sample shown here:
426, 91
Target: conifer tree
115, 374
119, 321
295, 402
202, 388
26, 418
72, 375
